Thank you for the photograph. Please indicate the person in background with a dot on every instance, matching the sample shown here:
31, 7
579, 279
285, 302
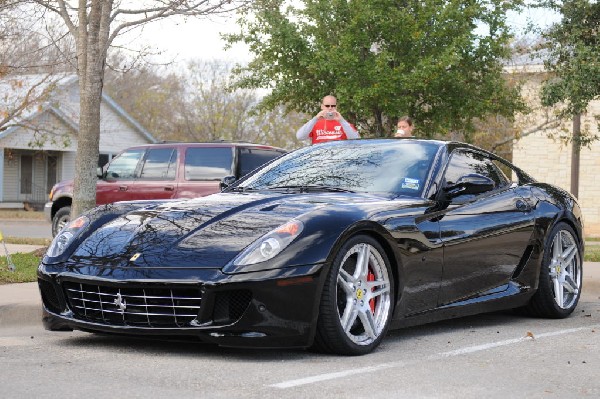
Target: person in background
404, 127
327, 125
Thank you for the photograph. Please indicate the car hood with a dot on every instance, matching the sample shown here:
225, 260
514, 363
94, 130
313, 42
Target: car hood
206, 232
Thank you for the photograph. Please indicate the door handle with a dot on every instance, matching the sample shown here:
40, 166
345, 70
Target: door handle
169, 188
123, 188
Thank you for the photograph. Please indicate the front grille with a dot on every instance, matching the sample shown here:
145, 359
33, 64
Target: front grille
230, 305
141, 306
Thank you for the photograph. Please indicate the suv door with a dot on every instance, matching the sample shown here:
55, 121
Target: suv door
119, 177
156, 176
202, 170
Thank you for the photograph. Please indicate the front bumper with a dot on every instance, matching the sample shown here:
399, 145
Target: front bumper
275, 308
48, 211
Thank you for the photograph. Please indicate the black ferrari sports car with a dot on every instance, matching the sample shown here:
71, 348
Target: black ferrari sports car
327, 247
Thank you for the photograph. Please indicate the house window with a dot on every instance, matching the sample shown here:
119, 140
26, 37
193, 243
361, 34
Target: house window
26, 173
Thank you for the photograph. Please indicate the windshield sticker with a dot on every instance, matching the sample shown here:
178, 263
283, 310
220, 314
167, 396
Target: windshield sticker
409, 183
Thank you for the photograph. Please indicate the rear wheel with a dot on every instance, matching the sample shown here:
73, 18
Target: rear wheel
356, 304
560, 275
61, 218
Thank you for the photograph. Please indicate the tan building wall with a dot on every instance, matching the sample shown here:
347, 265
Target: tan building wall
547, 158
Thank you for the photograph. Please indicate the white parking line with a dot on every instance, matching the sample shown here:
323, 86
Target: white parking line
437, 356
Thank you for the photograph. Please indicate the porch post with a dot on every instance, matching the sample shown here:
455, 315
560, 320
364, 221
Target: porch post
1, 174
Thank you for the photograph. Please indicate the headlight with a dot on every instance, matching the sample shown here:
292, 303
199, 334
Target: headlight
270, 244
66, 236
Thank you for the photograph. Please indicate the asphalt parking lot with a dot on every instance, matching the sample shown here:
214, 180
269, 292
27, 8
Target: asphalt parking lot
494, 355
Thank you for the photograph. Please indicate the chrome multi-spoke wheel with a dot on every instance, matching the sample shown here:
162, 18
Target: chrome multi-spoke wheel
357, 301
560, 275
363, 294
565, 269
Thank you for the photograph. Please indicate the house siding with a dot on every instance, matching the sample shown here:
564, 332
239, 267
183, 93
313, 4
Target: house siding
67, 166
11, 176
23, 138
61, 116
117, 134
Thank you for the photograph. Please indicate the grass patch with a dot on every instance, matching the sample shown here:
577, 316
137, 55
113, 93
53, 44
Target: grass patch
26, 268
26, 264
27, 240
592, 253
21, 214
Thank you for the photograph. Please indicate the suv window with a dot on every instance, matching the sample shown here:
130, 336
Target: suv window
252, 158
208, 163
123, 167
159, 164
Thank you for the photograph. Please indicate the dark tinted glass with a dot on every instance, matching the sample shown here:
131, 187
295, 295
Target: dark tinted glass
467, 162
395, 167
102, 160
159, 164
208, 163
252, 158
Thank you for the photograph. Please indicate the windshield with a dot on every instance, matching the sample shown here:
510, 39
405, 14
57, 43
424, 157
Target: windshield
366, 166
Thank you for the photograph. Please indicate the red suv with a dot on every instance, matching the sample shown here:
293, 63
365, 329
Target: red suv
163, 171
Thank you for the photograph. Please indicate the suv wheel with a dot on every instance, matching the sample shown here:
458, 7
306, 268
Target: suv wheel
61, 219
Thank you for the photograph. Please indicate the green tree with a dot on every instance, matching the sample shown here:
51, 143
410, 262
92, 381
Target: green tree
571, 50
572, 55
437, 61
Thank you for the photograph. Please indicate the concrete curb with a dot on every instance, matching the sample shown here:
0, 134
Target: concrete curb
20, 304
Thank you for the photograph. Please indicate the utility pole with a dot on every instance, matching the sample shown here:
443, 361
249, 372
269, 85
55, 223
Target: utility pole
575, 152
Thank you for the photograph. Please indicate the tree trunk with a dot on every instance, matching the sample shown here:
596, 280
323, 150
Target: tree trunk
92, 47
575, 151
84, 193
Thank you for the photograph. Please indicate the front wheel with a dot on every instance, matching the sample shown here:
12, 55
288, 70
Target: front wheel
560, 275
61, 218
357, 300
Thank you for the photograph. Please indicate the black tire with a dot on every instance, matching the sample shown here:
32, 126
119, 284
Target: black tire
359, 298
61, 218
560, 280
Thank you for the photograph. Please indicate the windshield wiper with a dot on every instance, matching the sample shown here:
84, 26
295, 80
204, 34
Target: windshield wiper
311, 188
239, 189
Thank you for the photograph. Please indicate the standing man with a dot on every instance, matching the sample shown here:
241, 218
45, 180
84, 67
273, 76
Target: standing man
327, 125
404, 127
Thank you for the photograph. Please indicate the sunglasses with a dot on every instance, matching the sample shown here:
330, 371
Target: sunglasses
330, 105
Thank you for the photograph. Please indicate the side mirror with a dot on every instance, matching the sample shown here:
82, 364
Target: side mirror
226, 182
470, 184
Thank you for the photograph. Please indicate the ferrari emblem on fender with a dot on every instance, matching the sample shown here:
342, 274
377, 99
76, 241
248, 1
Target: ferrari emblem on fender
120, 303
134, 257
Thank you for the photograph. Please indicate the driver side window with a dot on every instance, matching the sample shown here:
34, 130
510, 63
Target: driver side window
124, 166
463, 163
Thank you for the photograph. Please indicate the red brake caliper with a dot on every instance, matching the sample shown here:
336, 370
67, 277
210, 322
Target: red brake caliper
371, 277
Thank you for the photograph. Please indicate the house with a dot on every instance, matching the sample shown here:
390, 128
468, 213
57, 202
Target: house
541, 152
38, 145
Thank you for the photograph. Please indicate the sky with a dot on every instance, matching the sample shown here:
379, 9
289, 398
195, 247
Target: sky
181, 40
